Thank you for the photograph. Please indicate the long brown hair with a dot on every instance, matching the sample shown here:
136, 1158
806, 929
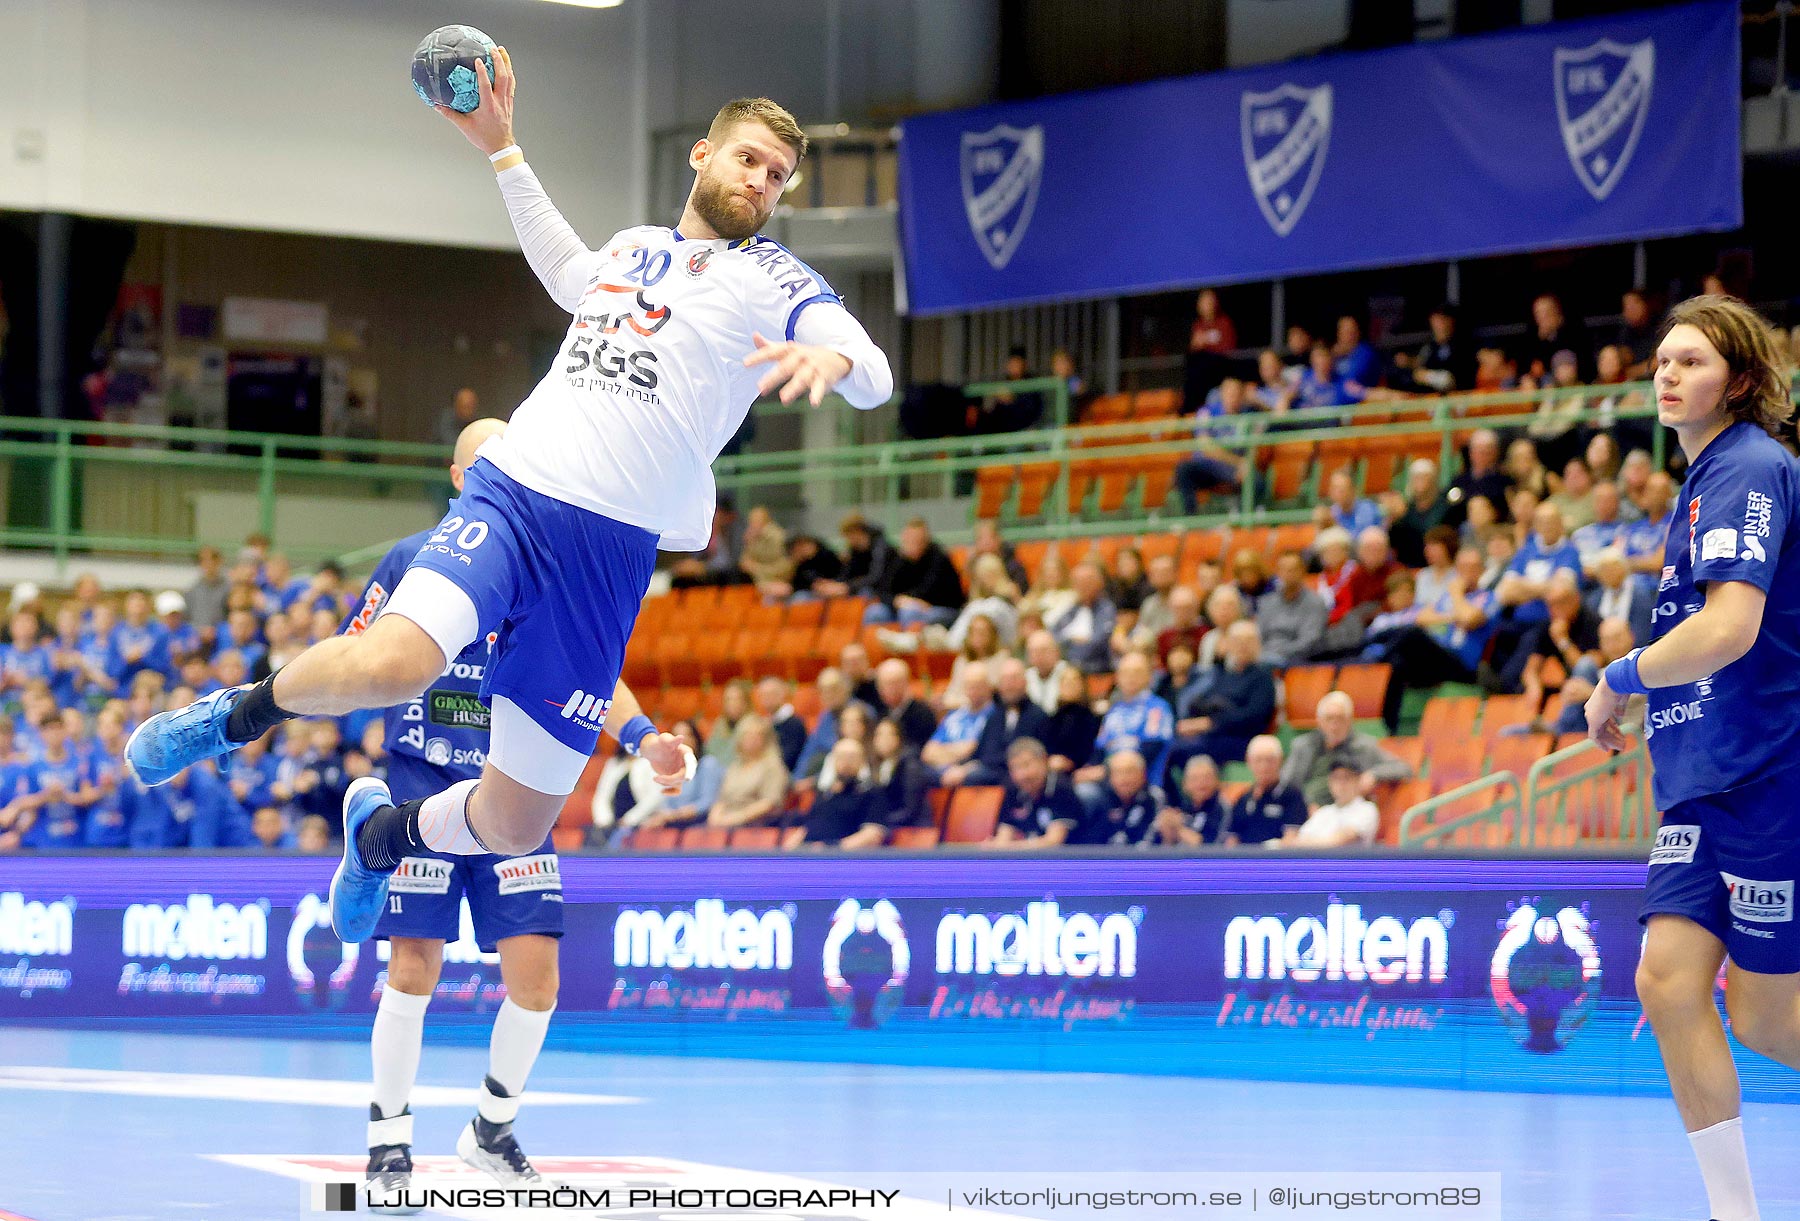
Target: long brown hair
1757, 391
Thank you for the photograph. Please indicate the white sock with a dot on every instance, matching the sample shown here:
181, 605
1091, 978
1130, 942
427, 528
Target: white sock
394, 1049
444, 822
518, 1037
1725, 1168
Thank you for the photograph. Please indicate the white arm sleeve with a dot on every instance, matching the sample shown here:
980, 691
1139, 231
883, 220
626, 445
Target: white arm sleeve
561, 260
830, 325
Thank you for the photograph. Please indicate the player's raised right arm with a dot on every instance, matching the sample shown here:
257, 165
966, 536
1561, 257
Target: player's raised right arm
558, 256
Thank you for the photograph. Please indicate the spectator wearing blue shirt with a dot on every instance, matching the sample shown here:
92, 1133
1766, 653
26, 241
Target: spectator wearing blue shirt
1320, 386
106, 822
950, 753
1197, 814
242, 637
1211, 466
1040, 809
25, 658
138, 643
1269, 811
1545, 553
184, 637
15, 788
1607, 531
1015, 716
250, 773
1644, 539
1353, 360
1084, 631
271, 831
1616, 596
1445, 641
194, 810
280, 587
1354, 513
834, 695
77, 661
1124, 809
1220, 717
1138, 721
63, 789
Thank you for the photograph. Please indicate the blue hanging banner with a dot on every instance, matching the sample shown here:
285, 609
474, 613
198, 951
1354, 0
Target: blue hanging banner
1562, 135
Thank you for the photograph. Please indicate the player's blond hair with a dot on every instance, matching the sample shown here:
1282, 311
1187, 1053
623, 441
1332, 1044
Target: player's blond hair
770, 114
1757, 390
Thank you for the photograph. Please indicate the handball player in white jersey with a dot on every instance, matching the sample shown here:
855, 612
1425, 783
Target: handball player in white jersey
552, 543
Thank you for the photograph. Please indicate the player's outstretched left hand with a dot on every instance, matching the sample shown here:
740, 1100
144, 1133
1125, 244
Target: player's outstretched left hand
800, 368
670, 760
1604, 708
489, 127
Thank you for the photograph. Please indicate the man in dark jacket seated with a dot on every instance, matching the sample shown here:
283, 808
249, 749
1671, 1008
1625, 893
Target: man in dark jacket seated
1231, 704
1014, 717
1125, 809
846, 813
922, 585
1040, 808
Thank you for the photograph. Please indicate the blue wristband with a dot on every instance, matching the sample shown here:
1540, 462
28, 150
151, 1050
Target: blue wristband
1622, 675
636, 730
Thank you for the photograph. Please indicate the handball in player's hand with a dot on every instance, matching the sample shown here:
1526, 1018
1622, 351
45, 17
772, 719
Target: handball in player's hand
445, 65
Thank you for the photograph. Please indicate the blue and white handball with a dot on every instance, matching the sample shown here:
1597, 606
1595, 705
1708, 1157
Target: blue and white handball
443, 68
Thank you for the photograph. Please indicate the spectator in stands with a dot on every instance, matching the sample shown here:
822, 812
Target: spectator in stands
63, 790
1230, 704
987, 541
1426, 509
734, 706
868, 559
314, 835
853, 660
899, 781
1073, 725
106, 826
1295, 358
1606, 532
138, 642
1197, 813
1574, 497
1271, 809
1570, 635
1644, 539
1400, 610
950, 752
1062, 368
1524, 471
1184, 629
1546, 552
1524, 505
980, 646
270, 830
1009, 410
1211, 340
993, 597
194, 810
1361, 595
1250, 576
1343, 507
465, 409
27, 658
771, 702
1154, 615
1349, 819
1555, 426
1084, 631
77, 661
1480, 524
921, 587
1040, 808
206, 596
1211, 466
1044, 669
1224, 607
183, 637
846, 814
1634, 478
1444, 363
1354, 361
242, 637
1127, 584
1015, 716
1291, 619
857, 723
1481, 476
893, 684
718, 564
1320, 387
250, 773
1273, 391
1616, 596
1497, 557
1441, 545
1313, 753
816, 571
1122, 807
1052, 593
1636, 334
1552, 332
1176, 676
1603, 457
1138, 720
755, 784
834, 693
1446, 639
765, 557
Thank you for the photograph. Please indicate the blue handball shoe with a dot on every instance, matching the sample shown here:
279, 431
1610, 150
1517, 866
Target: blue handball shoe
358, 893
171, 742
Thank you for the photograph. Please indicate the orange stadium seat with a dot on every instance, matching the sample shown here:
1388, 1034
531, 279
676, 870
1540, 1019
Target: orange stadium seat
846, 612
1107, 409
1286, 469
1159, 477
939, 801
705, 837
1335, 456
1305, 687
1503, 711
993, 484
1516, 753
805, 614
1448, 719
1295, 536
1394, 800
973, 814
1410, 751
1035, 482
1366, 684
914, 838
1156, 404
1455, 763
655, 839
757, 839
1154, 546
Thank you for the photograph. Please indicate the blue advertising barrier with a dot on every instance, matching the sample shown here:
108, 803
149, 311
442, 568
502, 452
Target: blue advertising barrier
1498, 973
1569, 134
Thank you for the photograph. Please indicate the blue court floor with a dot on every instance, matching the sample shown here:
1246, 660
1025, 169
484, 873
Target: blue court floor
106, 1126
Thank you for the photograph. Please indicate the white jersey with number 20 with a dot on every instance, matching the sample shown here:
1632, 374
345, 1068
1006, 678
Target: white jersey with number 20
650, 384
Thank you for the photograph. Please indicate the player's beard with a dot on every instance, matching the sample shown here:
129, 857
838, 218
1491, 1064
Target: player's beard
713, 203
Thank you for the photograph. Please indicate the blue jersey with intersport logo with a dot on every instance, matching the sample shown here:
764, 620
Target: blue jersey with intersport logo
1735, 520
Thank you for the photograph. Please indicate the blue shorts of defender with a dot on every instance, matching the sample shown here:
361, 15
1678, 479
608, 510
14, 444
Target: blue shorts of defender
1728, 862
557, 588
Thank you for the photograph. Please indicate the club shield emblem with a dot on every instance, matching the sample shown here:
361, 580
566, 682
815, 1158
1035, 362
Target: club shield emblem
1602, 95
1002, 168
1286, 134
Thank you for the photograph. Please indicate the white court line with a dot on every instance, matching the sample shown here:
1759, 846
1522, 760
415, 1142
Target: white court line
299, 1091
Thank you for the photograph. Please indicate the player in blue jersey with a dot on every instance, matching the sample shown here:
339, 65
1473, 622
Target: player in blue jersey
1722, 678
551, 546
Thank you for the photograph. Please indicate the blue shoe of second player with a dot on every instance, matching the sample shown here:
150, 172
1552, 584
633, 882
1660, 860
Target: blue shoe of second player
171, 742
358, 893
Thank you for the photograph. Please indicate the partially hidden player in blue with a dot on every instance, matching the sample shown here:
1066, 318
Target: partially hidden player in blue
1723, 728
673, 334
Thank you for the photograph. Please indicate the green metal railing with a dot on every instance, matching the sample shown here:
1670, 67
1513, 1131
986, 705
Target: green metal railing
1578, 793
69, 459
